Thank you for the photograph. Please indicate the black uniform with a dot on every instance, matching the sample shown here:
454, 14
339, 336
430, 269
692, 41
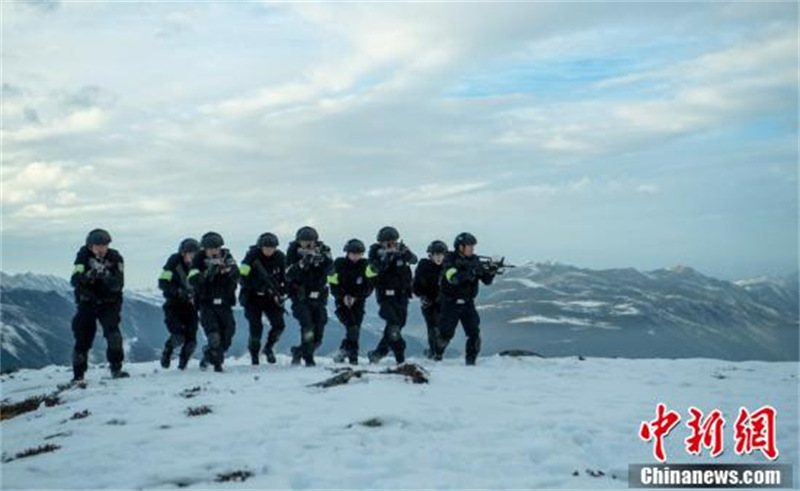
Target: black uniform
391, 274
350, 278
214, 283
307, 280
180, 313
426, 286
263, 281
459, 289
98, 284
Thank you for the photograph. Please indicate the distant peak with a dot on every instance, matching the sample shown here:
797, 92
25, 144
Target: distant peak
680, 268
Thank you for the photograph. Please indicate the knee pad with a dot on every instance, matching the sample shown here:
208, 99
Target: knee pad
394, 333
308, 336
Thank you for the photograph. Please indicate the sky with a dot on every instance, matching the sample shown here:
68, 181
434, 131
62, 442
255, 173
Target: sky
599, 134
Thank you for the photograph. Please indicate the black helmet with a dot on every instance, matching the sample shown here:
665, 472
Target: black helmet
212, 240
437, 247
464, 238
307, 233
355, 245
98, 236
388, 234
189, 245
267, 240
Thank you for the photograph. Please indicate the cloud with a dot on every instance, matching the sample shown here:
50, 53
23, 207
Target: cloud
40, 5
537, 119
81, 121
647, 188
33, 115
426, 194
88, 97
43, 181
720, 89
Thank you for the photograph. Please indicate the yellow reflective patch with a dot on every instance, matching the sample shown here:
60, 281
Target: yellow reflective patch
371, 273
333, 279
193, 272
244, 269
450, 273
166, 275
79, 269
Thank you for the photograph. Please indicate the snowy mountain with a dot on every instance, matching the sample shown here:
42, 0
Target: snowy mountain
36, 323
521, 423
558, 309
780, 293
550, 308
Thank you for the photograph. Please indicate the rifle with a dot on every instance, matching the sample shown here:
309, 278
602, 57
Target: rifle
311, 257
98, 268
217, 265
272, 287
494, 264
184, 283
401, 252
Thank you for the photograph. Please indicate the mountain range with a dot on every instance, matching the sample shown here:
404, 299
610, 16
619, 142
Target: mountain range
551, 309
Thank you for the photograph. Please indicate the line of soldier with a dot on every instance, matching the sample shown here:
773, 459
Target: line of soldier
199, 284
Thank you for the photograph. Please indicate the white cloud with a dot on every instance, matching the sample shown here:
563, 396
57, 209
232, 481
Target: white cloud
43, 180
345, 116
647, 188
80, 121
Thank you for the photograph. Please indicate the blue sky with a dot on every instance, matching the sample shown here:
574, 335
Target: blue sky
598, 134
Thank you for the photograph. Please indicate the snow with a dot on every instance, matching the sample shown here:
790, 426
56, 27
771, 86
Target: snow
526, 282
573, 321
589, 304
579, 305
35, 281
147, 295
506, 423
753, 281
625, 309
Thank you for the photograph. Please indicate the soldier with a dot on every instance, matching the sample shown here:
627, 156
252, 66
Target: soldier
462, 271
309, 261
389, 261
98, 279
213, 278
180, 313
350, 288
263, 280
426, 286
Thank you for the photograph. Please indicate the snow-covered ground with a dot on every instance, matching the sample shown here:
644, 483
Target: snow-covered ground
506, 423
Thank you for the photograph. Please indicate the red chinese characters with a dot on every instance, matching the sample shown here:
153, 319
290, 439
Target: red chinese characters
658, 429
705, 433
756, 431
